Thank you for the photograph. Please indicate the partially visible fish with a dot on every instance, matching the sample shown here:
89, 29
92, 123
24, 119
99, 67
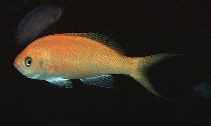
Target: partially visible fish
90, 57
36, 21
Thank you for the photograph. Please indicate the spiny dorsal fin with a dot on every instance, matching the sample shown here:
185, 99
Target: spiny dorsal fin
99, 38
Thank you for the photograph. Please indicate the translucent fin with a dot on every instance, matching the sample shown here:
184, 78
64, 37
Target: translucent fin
146, 83
203, 89
61, 82
105, 81
99, 38
144, 63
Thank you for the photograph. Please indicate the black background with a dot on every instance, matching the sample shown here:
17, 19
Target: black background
141, 27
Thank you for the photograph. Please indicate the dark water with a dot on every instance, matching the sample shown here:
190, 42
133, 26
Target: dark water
142, 28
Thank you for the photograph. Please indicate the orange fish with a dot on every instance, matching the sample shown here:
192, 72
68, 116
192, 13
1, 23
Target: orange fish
90, 57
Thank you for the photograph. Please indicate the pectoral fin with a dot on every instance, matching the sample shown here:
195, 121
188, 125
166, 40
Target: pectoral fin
61, 82
105, 81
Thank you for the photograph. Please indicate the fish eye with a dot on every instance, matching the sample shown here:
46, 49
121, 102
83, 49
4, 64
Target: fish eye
28, 61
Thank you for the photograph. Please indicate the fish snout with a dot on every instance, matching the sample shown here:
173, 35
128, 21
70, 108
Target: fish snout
16, 64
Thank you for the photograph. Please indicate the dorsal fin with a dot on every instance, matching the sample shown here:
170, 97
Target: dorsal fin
99, 38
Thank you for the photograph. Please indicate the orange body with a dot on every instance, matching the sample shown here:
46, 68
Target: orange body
76, 57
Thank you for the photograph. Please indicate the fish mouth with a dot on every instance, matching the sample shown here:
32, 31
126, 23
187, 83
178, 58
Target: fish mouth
15, 64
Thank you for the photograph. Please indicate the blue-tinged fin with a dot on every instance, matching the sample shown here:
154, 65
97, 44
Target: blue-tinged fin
105, 40
61, 82
105, 81
203, 89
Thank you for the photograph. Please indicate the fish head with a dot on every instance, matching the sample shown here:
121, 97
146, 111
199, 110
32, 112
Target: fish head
29, 62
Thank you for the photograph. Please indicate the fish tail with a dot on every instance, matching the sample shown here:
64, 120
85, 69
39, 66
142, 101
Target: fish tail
142, 66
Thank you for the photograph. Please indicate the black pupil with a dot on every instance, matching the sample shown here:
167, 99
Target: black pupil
29, 61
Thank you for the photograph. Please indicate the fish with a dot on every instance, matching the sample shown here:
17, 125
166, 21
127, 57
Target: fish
36, 21
91, 57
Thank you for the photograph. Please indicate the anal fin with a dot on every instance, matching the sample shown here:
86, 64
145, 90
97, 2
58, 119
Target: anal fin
105, 81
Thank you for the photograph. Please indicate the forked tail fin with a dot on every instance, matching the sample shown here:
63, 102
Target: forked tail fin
144, 63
